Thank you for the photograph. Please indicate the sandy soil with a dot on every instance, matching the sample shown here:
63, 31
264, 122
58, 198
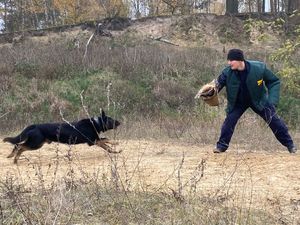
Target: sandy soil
268, 181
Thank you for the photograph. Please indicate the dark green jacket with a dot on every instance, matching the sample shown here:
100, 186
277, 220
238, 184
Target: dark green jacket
262, 84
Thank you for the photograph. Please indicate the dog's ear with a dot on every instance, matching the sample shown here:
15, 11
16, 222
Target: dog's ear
102, 113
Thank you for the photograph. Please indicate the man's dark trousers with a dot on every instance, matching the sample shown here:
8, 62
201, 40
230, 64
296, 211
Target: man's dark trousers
268, 113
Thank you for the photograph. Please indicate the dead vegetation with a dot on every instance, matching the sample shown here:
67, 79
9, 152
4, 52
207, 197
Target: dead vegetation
166, 173
148, 183
170, 176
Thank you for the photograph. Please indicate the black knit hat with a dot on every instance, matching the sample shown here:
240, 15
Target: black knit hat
235, 54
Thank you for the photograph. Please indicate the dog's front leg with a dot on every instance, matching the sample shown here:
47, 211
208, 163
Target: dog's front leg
103, 144
107, 141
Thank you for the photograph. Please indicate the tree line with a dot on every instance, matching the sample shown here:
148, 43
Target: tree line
275, 6
18, 15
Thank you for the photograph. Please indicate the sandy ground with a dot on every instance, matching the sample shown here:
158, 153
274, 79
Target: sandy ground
268, 181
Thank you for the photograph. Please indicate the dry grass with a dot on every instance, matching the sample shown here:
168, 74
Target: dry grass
170, 177
166, 173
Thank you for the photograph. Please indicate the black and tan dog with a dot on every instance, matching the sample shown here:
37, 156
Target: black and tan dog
84, 131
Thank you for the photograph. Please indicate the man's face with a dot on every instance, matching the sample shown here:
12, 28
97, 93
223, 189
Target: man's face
234, 64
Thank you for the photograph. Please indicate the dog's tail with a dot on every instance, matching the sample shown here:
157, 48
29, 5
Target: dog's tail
15, 140
20, 138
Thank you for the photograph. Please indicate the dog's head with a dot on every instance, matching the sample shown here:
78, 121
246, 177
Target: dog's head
107, 123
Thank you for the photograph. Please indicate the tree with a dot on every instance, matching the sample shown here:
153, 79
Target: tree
13, 14
173, 5
114, 8
181, 6
136, 7
3, 11
232, 6
264, 6
154, 7
293, 5
68, 10
288, 56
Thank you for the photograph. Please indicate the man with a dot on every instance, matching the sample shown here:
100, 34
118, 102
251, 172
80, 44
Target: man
250, 84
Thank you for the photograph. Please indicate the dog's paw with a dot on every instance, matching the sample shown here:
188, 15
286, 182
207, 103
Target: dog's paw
116, 151
113, 143
11, 155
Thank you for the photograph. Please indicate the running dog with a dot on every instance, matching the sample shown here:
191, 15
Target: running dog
84, 131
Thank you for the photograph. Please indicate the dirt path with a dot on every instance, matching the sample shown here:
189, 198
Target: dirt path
269, 181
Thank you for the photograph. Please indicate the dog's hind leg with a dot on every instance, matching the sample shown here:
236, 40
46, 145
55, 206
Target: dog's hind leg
14, 151
34, 141
20, 150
